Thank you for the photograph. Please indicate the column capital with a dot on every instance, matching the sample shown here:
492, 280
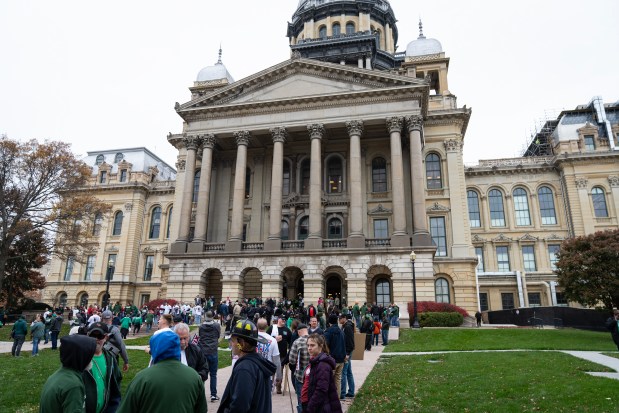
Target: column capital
316, 130
209, 140
279, 134
242, 137
613, 180
414, 122
192, 142
394, 124
452, 145
581, 182
180, 164
354, 127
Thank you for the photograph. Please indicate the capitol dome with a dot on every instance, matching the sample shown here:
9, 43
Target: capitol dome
423, 46
215, 72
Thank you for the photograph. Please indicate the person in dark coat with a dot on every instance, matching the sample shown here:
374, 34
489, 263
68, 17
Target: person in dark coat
367, 328
191, 355
319, 393
612, 324
337, 346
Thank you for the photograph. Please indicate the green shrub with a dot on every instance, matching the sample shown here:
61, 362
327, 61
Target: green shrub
433, 319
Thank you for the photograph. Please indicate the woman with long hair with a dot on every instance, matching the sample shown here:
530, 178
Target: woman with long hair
318, 393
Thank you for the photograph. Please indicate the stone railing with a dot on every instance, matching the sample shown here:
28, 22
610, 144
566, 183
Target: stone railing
377, 242
510, 162
253, 246
292, 245
334, 243
219, 246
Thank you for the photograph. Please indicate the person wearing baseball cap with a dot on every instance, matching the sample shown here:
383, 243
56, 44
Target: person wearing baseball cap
249, 386
102, 379
115, 343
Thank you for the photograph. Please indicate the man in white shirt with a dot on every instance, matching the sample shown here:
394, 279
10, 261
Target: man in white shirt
94, 318
197, 314
270, 350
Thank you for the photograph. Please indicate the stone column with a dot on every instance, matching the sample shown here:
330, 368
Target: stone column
277, 172
586, 211
235, 237
421, 236
191, 144
314, 240
613, 181
460, 228
399, 238
204, 193
355, 238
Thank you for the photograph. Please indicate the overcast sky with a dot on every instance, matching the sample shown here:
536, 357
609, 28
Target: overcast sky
106, 75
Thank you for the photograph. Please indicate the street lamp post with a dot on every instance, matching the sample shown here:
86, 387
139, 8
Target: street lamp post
106, 296
413, 256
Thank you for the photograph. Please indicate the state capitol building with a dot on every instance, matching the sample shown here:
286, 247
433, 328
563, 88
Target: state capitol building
321, 174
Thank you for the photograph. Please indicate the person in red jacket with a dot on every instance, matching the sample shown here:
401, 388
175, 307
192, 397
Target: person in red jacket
377, 328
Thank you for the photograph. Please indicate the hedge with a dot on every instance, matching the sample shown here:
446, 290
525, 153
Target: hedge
431, 306
433, 319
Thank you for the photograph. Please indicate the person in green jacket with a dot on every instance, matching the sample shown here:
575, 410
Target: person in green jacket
168, 385
37, 331
125, 324
137, 324
20, 330
64, 390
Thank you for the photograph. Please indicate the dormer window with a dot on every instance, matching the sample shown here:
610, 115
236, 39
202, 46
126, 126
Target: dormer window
123, 175
102, 177
589, 143
100, 159
119, 157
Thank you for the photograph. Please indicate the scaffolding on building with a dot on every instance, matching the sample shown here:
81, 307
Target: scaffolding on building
540, 141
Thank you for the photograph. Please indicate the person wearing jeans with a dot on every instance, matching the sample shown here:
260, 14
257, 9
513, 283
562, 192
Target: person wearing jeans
20, 329
56, 326
37, 330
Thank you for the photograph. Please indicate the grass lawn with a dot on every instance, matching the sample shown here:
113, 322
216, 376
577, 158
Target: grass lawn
501, 339
615, 355
486, 382
23, 378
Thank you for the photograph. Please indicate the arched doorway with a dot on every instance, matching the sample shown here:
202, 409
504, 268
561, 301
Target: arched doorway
82, 300
379, 285
333, 286
292, 283
61, 299
213, 284
252, 283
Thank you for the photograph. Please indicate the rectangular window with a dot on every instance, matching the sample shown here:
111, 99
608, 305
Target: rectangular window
90, 267
479, 251
528, 257
111, 267
123, 175
483, 301
69, 269
561, 300
439, 236
507, 301
144, 298
102, 177
502, 258
535, 299
552, 255
589, 143
381, 228
148, 268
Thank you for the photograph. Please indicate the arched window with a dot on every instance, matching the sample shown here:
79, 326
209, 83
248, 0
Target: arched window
336, 29
546, 206
378, 37
303, 228
247, 182
521, 207
62, 300
167, 233
305, 177
473, 202
322, 32
334, 175
497, 213
96, 225
379, 175
286, 179
119, 157
118, 223
350, 28
383, 292
155, 223
196, 186
284, 230
433, 171
599, 202
84, 300
335, 228
441, 290
100, 159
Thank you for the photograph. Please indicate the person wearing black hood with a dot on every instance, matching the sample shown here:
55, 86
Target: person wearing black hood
64, 390
249, 387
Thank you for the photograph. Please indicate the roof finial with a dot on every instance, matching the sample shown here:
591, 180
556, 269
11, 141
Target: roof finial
421, 36
219, 60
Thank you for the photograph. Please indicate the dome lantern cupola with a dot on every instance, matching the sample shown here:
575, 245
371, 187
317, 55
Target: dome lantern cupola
423, 46
210, 78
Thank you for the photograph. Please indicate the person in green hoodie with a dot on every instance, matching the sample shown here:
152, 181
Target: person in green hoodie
20, 330
125, 324
137, 324
64, 391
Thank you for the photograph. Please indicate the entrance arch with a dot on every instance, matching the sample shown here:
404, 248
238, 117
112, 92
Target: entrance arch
335, 284
213, 287
82, 299
252, 283
292, 282
61, 299
379, 285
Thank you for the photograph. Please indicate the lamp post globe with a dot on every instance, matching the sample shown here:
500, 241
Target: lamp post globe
415, 323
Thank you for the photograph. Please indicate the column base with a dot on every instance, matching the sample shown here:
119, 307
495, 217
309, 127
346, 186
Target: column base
195, 247
422, 239
313, 244
273, 245
178, 247
400, 240
234, 245
356, 241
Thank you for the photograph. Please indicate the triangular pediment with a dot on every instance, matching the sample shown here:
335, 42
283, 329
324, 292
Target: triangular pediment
301, 79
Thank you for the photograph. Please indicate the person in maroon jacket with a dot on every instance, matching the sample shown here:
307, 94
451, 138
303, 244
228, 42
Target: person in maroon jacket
318, 393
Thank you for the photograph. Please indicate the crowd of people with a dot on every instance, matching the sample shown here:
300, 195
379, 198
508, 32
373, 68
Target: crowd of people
273, 343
